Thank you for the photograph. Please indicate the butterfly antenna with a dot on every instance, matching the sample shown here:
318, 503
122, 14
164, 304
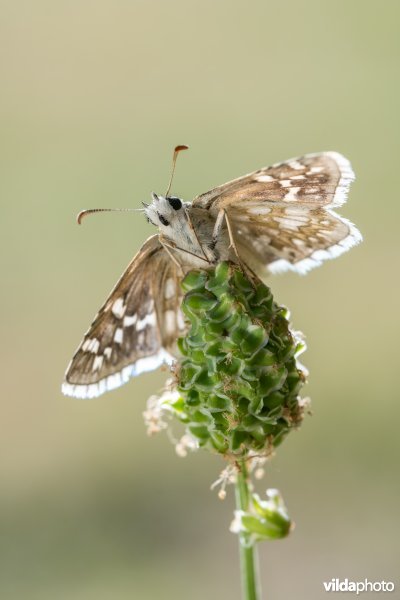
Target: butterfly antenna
176, 152
90, 211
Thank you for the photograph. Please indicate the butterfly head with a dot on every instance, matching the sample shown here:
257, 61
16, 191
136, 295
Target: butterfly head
165, 212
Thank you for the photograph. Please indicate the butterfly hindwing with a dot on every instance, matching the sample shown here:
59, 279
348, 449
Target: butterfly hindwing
292, 238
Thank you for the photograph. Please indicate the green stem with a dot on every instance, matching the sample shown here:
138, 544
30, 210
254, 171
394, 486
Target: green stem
248, 552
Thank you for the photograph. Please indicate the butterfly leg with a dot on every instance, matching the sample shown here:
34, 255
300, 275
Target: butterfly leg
221, 217
172, 257
217, 228
168, 247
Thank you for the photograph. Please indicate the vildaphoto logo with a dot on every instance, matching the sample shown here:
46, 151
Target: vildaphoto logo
358, 587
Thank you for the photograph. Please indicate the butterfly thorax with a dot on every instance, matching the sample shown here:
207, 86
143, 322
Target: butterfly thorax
187, 231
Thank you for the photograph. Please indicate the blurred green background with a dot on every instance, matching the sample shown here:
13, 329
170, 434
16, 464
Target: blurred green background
94, 96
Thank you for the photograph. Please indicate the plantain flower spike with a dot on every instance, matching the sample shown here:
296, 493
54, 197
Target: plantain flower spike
239, 380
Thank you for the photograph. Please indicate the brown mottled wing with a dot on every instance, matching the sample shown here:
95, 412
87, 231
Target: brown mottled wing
135, 329
314, 179
281, 216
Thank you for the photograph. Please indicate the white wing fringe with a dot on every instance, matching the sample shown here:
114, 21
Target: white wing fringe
93, 390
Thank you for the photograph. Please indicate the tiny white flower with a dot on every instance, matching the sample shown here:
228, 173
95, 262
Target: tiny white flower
236, 525
227, 476
185, 444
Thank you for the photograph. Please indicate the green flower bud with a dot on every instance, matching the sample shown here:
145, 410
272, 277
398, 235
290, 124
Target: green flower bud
264, 520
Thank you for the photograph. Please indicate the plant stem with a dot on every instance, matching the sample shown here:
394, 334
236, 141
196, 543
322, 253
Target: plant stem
248, 552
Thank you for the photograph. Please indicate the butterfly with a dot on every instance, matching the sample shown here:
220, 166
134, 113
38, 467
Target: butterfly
279, 218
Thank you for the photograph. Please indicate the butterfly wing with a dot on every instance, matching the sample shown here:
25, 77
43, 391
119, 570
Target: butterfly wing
134, 331
281, 216
315, 179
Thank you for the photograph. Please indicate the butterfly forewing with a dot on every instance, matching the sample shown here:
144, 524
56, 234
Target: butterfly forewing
281, 216
136, 328
314, 179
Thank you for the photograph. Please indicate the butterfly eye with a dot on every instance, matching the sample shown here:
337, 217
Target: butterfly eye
176, 203
163, 220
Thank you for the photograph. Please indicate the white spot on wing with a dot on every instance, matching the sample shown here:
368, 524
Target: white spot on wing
259, 210
292, 194
170, 321
170, 288
149, 319
129, 320
118, 308
118, 335
297, 211
97, 363
94, 346
298, 242
294, 164
91, 345
180, 320
264, 178
287, 223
